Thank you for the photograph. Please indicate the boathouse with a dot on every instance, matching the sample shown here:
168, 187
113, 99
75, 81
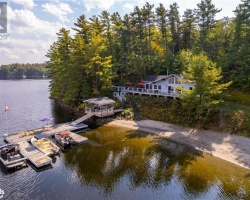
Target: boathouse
100, 107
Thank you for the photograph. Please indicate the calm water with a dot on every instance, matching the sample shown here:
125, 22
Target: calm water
116, 163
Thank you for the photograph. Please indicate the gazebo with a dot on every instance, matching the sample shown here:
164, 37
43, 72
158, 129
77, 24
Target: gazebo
100, 107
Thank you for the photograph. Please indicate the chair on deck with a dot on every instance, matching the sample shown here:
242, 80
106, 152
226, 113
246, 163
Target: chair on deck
25, 133
32, 132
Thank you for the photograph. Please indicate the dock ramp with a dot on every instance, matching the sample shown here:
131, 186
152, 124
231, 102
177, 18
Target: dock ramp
83, 118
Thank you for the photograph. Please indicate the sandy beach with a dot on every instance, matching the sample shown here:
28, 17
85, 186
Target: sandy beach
233, 148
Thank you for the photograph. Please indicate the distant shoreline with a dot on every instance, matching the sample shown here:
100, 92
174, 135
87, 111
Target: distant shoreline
232, 148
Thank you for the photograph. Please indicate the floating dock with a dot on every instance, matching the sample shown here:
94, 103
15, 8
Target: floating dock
78, 138
51, 130
36, 157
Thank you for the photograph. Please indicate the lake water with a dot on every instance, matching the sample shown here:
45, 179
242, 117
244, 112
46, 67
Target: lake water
116, 163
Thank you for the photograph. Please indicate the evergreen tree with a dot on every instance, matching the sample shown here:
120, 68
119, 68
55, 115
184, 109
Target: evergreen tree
206, 13
162, 21
188, 31
59, 65
174, 21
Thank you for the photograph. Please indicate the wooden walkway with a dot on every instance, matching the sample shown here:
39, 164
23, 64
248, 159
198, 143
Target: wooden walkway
78, 138
35, 156
118, 110
83, 118
18, 137
15, 138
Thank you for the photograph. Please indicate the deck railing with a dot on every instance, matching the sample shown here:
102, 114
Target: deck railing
100, 113
152, 92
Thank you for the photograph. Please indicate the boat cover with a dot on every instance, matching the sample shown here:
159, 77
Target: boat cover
63, 133
42, 135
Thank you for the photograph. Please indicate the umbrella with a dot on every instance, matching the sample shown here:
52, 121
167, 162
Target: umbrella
140, 84
128, 83
47, 119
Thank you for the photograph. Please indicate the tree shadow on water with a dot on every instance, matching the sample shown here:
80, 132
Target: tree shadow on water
235, 148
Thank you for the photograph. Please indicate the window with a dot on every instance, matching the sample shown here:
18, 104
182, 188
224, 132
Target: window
171, 81
190, 88
159, 87
155, 87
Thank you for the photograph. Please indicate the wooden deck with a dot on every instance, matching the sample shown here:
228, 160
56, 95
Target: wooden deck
78, 138
118, 110
19, 137
150, 92
35, 156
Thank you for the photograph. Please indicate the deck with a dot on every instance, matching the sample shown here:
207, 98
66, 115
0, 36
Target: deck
51, 130
150, 92
78, 138
35, 156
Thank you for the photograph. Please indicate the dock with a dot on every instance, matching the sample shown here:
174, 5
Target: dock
36, 157
51, 130
78, 138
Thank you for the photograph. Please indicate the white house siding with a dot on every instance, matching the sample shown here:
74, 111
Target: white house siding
165, 85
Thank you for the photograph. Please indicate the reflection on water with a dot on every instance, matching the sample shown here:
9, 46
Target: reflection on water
116, 163
148, 165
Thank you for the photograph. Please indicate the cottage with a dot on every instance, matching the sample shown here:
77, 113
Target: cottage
165, 84
156, 85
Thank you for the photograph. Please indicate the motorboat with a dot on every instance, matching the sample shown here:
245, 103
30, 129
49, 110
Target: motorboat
44, 144
67, 138
11, 156
64, 138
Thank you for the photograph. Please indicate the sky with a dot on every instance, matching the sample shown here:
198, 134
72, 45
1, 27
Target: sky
32, 24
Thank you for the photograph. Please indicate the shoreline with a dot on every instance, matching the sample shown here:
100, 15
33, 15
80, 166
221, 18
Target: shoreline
232, 148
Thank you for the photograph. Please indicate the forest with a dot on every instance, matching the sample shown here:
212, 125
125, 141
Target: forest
110, 49
16, 71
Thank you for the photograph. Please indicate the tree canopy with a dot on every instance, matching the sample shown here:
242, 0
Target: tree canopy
110, 49
16, 71
206, 77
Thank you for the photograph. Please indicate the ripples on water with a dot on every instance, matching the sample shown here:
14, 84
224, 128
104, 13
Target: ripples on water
116, 163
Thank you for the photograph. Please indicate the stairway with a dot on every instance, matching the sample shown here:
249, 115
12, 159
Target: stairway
121, 95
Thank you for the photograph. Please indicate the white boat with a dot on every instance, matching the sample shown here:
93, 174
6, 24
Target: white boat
44, 144
11, 156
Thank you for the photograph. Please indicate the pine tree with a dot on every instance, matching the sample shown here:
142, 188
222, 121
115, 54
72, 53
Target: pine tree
174, 21
206, 13
59, 64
